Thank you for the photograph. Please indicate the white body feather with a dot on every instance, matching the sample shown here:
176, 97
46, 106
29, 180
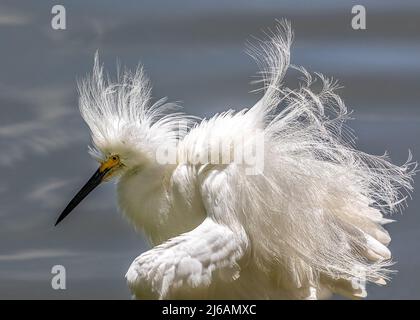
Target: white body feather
309, 224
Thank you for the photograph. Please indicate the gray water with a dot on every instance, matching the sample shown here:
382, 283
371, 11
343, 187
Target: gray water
193, 52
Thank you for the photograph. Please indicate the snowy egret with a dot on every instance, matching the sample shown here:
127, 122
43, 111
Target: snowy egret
305, 223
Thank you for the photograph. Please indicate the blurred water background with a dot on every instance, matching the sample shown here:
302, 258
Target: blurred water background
193, 52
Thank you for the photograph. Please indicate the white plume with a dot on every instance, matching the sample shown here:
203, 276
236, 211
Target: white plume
312, 219
120, 114
320, 199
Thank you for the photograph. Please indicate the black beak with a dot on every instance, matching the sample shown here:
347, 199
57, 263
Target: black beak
93, 182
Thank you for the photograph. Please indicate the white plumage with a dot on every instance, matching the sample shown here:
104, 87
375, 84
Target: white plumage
308, 224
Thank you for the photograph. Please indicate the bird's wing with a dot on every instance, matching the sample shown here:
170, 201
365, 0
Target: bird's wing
190, 260
313, 213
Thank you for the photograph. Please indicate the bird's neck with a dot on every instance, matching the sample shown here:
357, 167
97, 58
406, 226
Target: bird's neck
155, 201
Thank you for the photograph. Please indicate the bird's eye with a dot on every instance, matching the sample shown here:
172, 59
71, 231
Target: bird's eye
114, 158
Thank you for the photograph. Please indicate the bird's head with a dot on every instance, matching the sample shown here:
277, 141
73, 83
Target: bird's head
125, 129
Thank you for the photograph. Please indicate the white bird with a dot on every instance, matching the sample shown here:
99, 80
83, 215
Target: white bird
300, 216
